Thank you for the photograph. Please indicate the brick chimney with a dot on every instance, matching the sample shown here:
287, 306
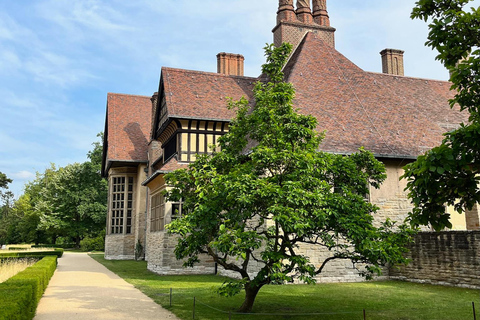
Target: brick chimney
286, 11
154, 100
230, 64
292, 25
392, 61
320, 14
304, 13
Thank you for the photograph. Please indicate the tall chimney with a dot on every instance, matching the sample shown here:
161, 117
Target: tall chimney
286, 11
292, 25
392, 61
304, 13
320, 14
230, 64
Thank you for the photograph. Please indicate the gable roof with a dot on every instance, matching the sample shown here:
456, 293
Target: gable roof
203, 95
392, 116
127, 128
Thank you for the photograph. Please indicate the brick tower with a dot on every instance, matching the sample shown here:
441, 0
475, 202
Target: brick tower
293, 24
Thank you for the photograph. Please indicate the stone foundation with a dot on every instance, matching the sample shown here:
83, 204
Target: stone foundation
161, 257
445, 258
120, 247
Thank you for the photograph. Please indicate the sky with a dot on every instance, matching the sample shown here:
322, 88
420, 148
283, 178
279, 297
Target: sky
60, 58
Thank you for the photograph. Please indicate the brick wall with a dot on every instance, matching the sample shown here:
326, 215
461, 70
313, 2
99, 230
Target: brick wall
447, 258
293, 33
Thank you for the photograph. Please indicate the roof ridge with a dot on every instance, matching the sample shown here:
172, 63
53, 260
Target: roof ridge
407, 77
207, 73
127, 95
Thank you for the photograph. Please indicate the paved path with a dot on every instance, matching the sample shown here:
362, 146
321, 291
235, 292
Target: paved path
82, 288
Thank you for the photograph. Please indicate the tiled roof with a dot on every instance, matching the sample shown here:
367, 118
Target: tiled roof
389, 115
203, 95
173, 165
128, 127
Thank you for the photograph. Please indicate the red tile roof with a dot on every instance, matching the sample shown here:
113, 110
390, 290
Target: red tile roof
173, 165
203, 95
128, 127
389, 115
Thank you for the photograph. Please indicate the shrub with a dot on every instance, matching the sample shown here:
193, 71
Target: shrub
61, 245
19, 295
93, 244
32, 254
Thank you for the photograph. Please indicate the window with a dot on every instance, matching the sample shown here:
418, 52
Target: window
197, 138
177, 210
121, 205
157, 209
170, 148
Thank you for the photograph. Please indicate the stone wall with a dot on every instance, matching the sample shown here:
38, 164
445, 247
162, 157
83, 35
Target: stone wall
161, 257
120, 247
391, 197
447, 258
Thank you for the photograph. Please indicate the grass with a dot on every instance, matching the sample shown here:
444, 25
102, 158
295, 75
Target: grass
10, 267
342, 301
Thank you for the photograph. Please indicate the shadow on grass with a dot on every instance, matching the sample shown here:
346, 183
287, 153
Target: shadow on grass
340, 301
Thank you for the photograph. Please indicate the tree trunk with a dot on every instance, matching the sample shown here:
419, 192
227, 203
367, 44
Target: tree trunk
250, 295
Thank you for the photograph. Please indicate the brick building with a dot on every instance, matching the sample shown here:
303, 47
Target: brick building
394, 116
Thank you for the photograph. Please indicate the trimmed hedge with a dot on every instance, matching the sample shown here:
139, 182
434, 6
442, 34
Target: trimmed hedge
18, 248
32, 254
19, 295
64, 246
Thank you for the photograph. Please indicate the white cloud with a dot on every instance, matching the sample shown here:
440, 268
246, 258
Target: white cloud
23, 175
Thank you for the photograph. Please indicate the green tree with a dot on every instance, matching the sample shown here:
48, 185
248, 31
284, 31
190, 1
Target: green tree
7, 221
78, 209
70, 201
28, 226
449, 173
269, 191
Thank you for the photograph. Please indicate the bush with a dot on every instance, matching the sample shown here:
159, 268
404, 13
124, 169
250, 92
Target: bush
61, 245
93, 244
32, 254
19, 295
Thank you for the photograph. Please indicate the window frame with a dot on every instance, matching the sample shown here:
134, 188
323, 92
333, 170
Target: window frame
121, 204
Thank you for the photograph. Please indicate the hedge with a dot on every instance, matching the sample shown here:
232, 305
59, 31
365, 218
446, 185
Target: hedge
19, 295
32, 254
64, 246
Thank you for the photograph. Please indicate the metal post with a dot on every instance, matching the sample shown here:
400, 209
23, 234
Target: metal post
364, 315
170, 297
474, 313
193, 307
230, 315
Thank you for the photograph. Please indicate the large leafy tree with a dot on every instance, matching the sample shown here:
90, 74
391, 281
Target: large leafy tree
449, 173
69, 201
270, 191
6, 203
78, 205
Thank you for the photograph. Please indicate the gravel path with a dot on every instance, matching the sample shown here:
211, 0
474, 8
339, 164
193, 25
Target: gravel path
82, 288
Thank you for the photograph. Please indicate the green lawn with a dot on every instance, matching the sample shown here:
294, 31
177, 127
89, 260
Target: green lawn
382, 300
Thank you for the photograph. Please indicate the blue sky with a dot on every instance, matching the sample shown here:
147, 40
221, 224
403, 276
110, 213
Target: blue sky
60, 58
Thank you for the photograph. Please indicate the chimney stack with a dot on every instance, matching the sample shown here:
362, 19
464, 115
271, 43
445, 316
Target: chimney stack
293, 24
304, 13
320, 14
392, 61
230, 64
286, 11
